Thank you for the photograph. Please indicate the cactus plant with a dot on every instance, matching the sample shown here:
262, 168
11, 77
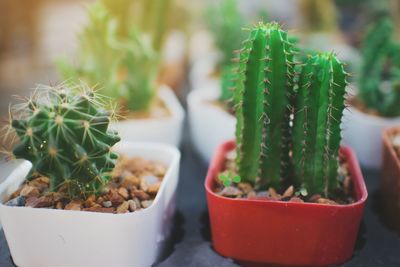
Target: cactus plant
64, 132
288, 128
316, 128
117, 57
262, 99
380, 66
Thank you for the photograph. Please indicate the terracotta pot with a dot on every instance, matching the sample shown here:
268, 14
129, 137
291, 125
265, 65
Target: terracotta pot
390, 182
284, 233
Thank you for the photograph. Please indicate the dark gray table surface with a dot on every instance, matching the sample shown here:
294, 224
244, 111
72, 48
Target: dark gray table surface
190, 244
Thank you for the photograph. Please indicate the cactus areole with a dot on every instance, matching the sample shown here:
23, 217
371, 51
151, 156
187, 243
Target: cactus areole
65, 135
288, 128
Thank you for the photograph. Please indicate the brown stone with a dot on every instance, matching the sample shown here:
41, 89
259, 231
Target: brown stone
59, 205
74, 205
41, 183
123, 192
140, 194
29, 191
41, 202
159, 170
115, 198
326, 201
245, 187
147, 181
90, 201
153, 189
273, 193
230, 191
123, 208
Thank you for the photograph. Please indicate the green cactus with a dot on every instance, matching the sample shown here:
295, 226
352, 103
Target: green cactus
123, 66
288, 114
380, 66
316, 128
262, 98
66, 137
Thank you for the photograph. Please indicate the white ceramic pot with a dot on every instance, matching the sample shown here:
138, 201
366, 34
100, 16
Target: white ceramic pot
363, 133
64, 238
163, 130
210, 125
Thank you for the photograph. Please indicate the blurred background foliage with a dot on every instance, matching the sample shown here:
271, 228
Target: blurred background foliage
33, 34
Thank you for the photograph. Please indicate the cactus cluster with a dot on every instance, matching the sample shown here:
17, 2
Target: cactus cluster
379, 84
288, 123
119, 57
64, 132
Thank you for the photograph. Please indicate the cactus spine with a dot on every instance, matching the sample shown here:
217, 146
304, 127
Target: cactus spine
262, 98
316, 130
66, 137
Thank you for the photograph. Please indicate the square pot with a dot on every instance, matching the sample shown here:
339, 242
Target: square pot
363, 133
285, 233
160, 130
65, 238
390, 181
210, 125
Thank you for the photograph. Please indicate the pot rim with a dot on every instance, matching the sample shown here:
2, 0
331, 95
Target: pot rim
168, 97
386, 136
163, 148
371, 118
200, 96
357, 178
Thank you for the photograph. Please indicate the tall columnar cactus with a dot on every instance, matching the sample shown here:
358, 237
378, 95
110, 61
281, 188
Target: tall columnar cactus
263, 96
380, 68
66, 137
316, 130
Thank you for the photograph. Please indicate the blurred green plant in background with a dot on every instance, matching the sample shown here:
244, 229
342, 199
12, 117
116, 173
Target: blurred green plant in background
119, 50
379, 82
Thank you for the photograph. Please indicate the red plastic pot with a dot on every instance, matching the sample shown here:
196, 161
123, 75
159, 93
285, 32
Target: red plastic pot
284, 233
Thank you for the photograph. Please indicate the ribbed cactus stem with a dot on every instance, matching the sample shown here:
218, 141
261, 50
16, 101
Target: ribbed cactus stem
316, 129
65, 135
262, 97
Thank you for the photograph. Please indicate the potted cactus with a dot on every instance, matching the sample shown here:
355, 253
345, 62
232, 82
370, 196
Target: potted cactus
81, 194
376, 103
390, 182
210, 76
122, 59
288, 194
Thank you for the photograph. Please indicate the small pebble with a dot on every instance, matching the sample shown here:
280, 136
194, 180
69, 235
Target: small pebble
123, 208
245, 187
107, 204
231, 191
74, 205
123, 192
146, 203
132, 205
148, 181
288, 192
140, 195
29, 191
16, 202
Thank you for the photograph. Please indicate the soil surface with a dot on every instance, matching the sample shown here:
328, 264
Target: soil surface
228, 187
134, 185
